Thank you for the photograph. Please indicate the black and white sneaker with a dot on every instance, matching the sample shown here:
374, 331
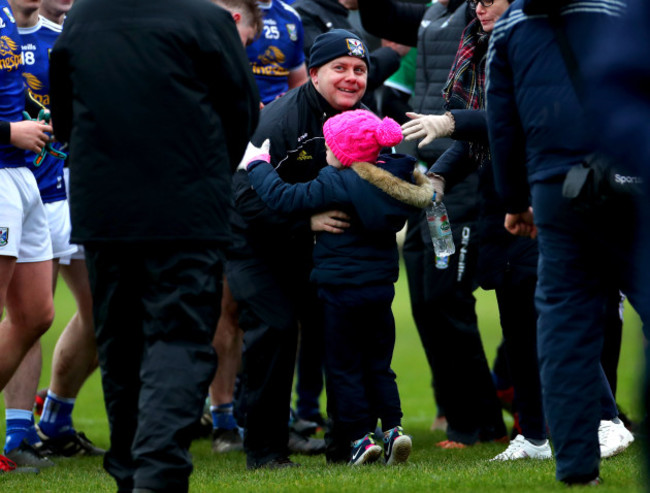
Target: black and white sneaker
75, 444
299, 444
224, 441
27, 455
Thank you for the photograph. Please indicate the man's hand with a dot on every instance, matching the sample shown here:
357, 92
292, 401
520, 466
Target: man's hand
521, 224
254, 153
30, 135
438, 183
330, 221
428, 127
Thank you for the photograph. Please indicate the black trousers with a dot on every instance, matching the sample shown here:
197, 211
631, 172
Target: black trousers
155, 311
273, 301
443, 306
359, 343
516, 302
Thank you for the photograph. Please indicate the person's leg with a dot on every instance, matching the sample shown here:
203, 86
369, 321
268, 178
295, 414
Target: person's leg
180, 302
19, 400
19, 397
73, 360
227, 343
309, 374
75, 353
461, 371
311, 355
613, 336
519, 323
570, 300
348, 407
267, 316
377, 323
30, 311
417, 262
115, 277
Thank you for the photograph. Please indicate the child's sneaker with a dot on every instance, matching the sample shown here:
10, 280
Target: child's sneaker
397, 446
365, 451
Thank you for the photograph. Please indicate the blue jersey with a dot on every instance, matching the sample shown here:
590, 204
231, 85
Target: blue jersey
12, 95
37, 42
277, 51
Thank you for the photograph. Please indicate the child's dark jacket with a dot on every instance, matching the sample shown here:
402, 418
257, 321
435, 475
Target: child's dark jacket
379, 198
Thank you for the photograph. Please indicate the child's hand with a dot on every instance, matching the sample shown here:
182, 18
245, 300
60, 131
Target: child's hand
254, 153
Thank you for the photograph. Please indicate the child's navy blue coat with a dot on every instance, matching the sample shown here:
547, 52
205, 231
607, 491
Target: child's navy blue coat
379, 198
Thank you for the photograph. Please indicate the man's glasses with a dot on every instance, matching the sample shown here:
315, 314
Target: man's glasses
474, 3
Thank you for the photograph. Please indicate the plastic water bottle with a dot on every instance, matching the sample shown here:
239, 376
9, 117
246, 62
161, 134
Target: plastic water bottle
440, 229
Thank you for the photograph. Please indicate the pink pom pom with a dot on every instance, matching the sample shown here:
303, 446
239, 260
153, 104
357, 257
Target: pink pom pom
389, 133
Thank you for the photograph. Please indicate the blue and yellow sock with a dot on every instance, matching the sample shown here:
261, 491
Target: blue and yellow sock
56, 419
222, 416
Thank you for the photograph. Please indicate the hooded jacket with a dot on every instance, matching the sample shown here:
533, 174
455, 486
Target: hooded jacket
537, 127
379, 199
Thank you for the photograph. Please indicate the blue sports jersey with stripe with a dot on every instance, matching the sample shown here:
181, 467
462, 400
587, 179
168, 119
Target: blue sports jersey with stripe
12, 95
37, 42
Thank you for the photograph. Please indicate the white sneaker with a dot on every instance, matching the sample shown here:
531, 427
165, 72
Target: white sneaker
613, 438
520, 448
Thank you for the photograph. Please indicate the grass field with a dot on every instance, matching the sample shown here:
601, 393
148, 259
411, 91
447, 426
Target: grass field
429, 468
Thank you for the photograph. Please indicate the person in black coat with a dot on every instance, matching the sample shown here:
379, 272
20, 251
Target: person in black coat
319, 16
157, 102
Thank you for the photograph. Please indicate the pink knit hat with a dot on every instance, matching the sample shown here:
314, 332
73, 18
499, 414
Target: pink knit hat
359, 135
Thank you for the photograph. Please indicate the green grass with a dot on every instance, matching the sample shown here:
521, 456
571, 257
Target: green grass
429, 468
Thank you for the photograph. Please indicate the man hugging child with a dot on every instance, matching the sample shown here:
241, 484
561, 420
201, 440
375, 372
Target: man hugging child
355, 272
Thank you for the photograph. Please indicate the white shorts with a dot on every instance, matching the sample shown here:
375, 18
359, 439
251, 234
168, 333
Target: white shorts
58, 218
79, 254
24, 232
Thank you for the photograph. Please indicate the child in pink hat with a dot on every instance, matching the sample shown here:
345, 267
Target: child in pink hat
355, 272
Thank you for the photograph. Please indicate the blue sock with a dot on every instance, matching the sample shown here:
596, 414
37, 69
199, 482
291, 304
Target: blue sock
32, 436
56, 419
19, 422
222, 416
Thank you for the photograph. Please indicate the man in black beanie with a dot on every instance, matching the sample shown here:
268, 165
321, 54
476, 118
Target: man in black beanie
269, 272
320, 16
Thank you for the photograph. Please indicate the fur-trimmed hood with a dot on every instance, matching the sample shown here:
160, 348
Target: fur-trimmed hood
418, 194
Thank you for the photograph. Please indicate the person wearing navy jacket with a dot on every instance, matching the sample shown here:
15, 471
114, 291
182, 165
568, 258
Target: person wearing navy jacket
619, 65
538, 131
355, 271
